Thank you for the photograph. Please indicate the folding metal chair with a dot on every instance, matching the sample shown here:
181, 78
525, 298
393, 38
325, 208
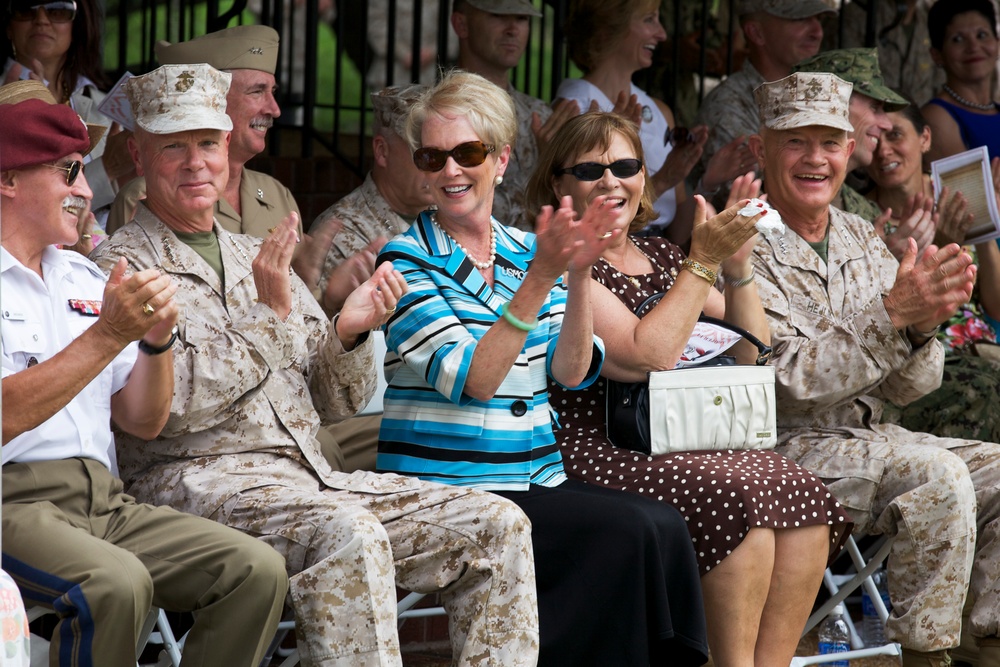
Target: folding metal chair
404, 611
840, 587
155, 619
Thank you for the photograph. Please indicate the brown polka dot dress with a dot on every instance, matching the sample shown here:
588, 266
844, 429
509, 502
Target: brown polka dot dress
721, 495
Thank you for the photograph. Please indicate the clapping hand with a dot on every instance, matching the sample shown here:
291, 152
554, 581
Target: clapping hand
930, 286
371, 304
272, 267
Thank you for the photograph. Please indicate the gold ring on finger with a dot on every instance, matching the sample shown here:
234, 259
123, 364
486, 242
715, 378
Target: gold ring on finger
148, 309
607, 235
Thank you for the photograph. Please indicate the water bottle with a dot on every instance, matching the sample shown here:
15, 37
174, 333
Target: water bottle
833, 636
873, 631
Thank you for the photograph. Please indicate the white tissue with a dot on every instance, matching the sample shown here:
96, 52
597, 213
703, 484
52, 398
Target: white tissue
768, 223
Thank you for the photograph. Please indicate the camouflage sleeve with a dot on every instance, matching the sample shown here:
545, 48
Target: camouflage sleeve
918, 377
221, 359
819, 361
341, 382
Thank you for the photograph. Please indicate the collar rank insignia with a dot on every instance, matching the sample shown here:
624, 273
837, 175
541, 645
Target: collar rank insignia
85, 307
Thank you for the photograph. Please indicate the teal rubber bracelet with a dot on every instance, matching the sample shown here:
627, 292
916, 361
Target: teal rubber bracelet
516, 323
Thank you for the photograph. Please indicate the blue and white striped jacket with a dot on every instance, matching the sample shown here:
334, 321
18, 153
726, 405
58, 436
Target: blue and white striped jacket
430, 428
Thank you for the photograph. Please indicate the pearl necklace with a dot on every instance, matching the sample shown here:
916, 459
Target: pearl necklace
969, 103
482, 266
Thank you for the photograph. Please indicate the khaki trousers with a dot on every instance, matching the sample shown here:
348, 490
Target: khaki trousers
75, 543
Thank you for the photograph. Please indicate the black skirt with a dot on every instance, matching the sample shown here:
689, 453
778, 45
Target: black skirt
617, 578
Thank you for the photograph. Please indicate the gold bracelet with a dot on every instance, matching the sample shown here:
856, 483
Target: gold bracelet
700, 270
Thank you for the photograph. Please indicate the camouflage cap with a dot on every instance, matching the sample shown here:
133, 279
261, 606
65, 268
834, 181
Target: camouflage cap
519, 7
804, 99
176, 98
784, 9
860, 67
239, 47
391, 105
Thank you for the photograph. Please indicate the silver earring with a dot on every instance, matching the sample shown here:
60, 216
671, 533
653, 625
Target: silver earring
498, 180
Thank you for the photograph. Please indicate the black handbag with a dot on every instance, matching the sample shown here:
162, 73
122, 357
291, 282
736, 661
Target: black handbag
628, 409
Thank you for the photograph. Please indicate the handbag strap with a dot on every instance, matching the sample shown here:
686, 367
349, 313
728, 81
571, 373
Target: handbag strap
763, 351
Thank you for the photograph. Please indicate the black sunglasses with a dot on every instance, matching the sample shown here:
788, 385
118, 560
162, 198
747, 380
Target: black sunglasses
592, 171
678, 136
72, 170
57, 12
469, 154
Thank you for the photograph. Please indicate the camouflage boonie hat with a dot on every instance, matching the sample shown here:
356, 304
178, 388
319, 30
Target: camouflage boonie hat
860, 67
519, 7
784, 9
239, 47
391, 105
175, 98
804, 99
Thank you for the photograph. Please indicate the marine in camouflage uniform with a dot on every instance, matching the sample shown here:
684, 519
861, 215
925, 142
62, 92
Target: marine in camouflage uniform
730, 110
904, 48
837, 358
508, 198
860, 67
365, 216
240, 447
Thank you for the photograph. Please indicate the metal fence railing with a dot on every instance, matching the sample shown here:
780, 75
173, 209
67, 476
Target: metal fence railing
334, 51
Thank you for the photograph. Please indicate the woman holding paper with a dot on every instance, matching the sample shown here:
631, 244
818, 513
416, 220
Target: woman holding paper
963, 406
763, 527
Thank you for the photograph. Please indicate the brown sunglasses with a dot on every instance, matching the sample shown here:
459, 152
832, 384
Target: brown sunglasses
469, 154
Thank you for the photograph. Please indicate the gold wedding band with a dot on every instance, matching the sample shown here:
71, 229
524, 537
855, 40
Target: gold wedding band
148, 309
606, 235
390, 311
270, 230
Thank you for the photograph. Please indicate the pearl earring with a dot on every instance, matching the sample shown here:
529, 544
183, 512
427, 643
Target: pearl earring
498, 180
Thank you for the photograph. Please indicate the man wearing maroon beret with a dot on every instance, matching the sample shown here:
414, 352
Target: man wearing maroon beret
78, 352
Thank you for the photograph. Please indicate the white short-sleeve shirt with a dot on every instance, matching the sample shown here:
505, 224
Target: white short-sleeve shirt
38, 318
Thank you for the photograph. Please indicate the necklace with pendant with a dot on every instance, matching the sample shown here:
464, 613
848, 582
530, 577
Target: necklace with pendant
632, 279
969, 103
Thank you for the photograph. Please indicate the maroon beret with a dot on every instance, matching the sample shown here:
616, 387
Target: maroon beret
36, 132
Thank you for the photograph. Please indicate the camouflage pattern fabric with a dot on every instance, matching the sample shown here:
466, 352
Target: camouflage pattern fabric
729, 111
837, 358
964, 406
177, 98
240, 447
366, 216
508, 198
803, 99
859, 67
850, 200
786, 9
903, 52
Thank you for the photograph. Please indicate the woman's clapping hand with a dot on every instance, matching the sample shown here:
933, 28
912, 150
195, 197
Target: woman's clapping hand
715, 240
